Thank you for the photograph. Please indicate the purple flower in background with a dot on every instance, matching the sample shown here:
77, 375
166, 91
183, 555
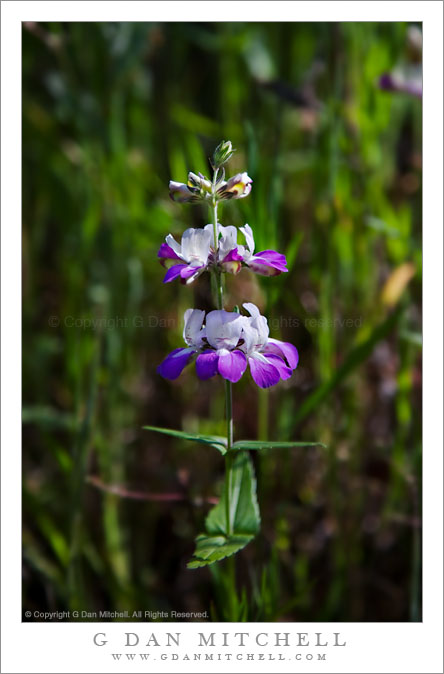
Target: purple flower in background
227, 344
406, 80
267, 262
406, 77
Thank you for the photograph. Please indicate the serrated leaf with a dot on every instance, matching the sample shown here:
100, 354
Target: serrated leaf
215, 441
244, 509
210, 549
217, 543
263, 444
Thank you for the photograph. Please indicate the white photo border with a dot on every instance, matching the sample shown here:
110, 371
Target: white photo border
370, 647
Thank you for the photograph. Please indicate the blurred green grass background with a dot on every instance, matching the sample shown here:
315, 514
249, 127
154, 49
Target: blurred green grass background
111, 112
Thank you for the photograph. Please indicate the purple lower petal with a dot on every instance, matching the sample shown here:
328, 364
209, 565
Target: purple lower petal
284, 350
206, 364
263, 269
268, 263
233, 256
188, 271
167, 253
285, 372
232, 364
272, 256
174, 363
264, 374
232, 262
173, 272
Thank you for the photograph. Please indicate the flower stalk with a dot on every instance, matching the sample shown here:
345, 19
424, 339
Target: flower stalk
228, 384
219, 286
225, 343
228, 455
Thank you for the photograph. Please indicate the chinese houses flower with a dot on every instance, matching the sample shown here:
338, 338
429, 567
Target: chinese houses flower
197, 252
227, 344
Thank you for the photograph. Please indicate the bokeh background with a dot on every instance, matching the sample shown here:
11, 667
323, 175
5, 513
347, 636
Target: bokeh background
111, 112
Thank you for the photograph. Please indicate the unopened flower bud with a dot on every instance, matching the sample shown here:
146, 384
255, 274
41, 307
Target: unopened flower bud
222, 153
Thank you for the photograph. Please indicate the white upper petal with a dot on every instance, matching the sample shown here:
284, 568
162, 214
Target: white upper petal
249, 336
171, 241
260, 324
174, 185
252, 309
255, 329
228, 240
210, 229
223, 329
192, 331
196, 246
248, 233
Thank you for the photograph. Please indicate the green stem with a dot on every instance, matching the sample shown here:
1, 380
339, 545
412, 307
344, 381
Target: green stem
229, 411
219, 286
228, 455
228, 386
230, 566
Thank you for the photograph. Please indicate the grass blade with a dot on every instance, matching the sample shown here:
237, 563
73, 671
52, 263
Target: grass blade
355, 358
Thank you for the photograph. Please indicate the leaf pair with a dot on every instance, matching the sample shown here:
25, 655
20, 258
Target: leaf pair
220, 443
222, 538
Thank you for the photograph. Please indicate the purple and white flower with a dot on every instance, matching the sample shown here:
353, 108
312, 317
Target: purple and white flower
227, 344
269, 359
406, 80
196, 253
267, 262
192, 255
228, 256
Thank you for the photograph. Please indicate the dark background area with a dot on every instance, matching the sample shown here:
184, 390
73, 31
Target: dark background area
111, 112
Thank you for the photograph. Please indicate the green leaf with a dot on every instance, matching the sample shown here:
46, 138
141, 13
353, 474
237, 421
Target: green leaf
263, 444
216, 543
244, 510
213, 440
210, 549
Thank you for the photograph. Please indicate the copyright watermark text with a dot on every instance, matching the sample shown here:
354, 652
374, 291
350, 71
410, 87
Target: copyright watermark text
153, 321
